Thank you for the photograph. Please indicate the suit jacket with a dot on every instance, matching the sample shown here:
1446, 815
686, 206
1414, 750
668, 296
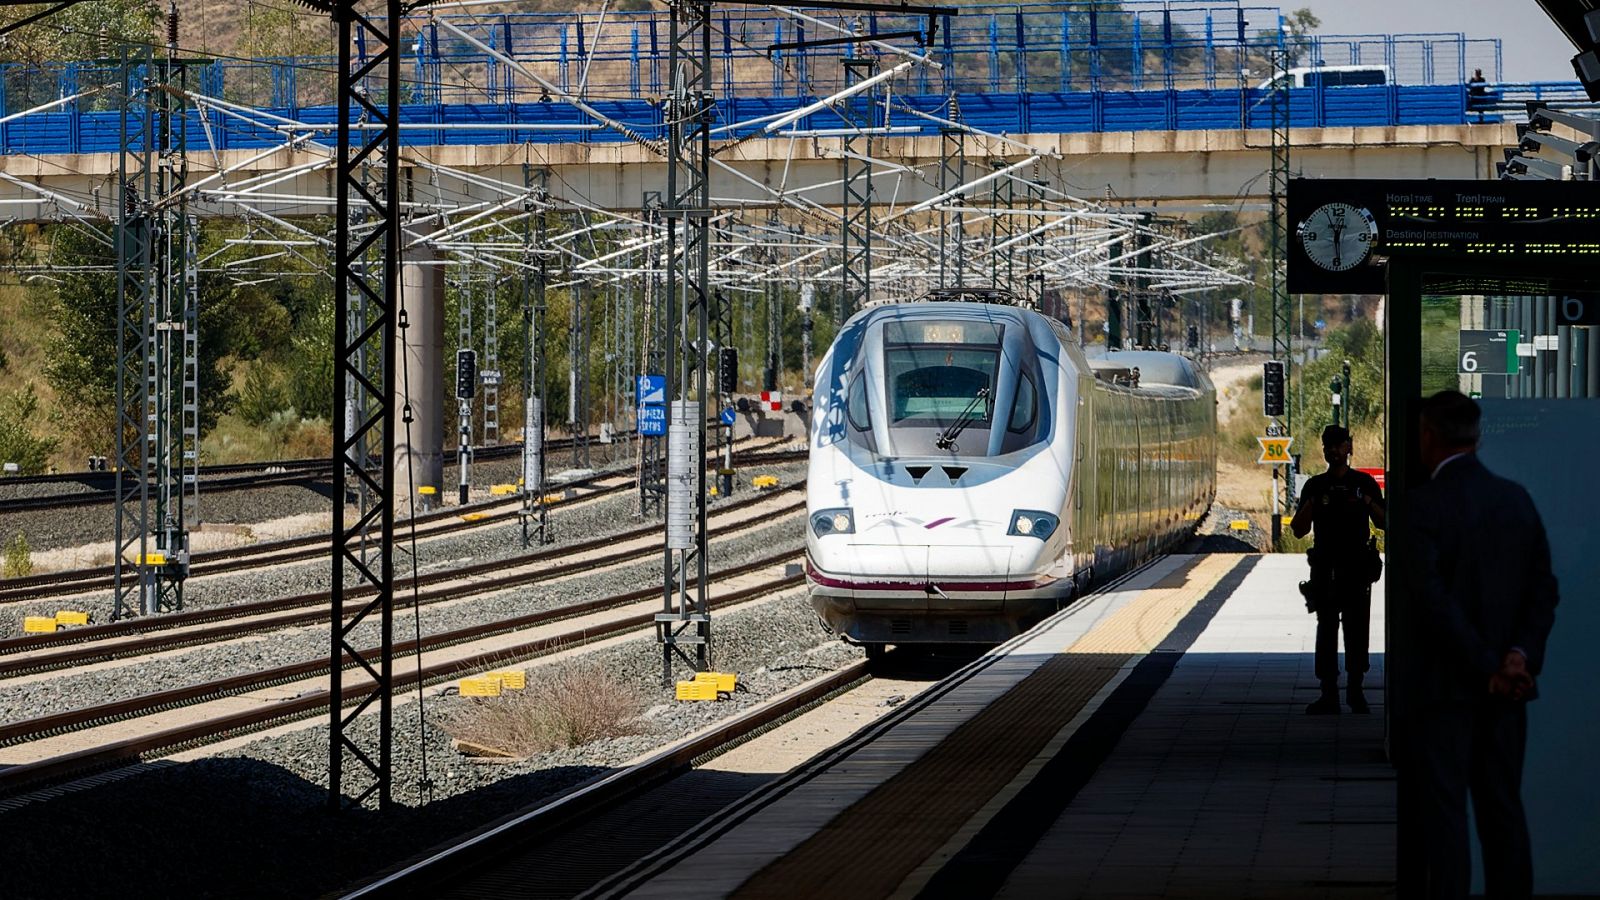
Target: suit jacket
1481, 578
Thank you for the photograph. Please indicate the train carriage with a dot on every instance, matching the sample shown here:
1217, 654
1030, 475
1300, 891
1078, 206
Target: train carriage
972, 469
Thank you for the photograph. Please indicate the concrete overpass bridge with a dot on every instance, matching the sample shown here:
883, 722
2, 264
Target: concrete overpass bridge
1174, 168
1155, 102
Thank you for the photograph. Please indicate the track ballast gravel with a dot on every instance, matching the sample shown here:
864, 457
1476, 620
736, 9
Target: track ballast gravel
604, 516
254, 823
134, 677
52, 529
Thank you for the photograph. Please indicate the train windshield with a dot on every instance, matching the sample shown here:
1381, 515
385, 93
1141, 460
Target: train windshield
935, 385
961, 386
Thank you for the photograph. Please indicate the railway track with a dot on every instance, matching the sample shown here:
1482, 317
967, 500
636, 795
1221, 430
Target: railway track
299, 549
437, 873
227, 477
433, 524
137, 637
221, 478
238, 712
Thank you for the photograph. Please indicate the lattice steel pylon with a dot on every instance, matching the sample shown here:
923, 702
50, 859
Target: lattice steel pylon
685, 619
1035, 243
653, 361
535, 517
953, 230
466, 300
1002, 228
135, 184
578, 336
772, 370
489, 372
856, 210
1144, 309
157, 385
366, 273
1282, 337
722, 335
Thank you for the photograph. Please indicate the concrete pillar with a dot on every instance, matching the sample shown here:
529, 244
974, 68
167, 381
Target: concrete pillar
419, 377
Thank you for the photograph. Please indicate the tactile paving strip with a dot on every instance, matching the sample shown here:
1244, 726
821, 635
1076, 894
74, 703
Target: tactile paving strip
869, 849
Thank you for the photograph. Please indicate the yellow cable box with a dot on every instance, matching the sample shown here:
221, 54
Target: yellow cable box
725, 681
510, 679
697, 690
480, 686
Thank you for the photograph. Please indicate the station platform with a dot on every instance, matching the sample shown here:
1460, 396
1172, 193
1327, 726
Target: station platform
1149, 741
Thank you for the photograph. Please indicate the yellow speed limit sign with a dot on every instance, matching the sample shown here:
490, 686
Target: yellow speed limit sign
1275, 450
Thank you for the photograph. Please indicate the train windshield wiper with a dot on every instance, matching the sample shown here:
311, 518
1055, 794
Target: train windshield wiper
947, 438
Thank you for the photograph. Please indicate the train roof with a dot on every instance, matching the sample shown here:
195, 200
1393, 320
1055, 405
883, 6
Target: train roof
1156, 369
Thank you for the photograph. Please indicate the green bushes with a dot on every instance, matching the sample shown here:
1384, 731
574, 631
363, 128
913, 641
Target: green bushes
17, 560
19, 410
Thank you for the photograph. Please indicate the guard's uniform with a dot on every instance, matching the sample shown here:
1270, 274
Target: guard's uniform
1340, 566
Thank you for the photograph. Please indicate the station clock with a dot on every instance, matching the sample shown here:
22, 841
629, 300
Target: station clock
1338, 236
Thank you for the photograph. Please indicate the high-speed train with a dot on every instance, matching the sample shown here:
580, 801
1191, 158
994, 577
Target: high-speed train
972, 469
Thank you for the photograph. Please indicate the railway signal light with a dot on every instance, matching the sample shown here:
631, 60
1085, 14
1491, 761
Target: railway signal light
1272, 388
727, 370
466, 374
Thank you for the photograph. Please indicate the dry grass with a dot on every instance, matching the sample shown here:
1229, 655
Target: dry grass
284, 436
566, 705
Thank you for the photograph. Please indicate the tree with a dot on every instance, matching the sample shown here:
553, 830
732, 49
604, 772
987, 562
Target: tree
84, 31
18, 444
82, 305
311, 362
1296, 36
1361, 343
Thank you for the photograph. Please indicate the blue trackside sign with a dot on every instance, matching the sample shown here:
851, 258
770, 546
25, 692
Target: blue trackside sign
651, 391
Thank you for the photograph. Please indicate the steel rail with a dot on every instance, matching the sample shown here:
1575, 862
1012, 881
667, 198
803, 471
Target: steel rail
299, 549
569, 807
288, 550
82, 762
168, 637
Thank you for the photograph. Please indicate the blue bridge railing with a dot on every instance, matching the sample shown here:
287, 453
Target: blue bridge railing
1043, 67
78, 131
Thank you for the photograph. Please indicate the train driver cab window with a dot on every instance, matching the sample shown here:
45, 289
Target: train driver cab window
856, 408
1026, 406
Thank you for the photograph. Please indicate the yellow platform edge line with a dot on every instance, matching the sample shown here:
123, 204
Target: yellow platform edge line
1150, 616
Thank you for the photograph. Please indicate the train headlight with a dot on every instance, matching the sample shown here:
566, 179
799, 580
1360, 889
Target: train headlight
832, 521
1033, 523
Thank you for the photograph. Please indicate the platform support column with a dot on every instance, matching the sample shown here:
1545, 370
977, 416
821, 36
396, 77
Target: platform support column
419, 381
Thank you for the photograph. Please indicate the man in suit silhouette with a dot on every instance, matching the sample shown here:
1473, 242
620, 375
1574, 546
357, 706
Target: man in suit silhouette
1483, 595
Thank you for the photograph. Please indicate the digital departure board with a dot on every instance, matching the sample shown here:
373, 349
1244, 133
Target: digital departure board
1341, 232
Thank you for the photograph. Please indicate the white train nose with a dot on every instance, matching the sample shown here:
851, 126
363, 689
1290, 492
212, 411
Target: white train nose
919, 562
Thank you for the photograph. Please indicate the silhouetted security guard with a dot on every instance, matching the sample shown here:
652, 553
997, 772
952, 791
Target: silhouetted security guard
1337, 505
